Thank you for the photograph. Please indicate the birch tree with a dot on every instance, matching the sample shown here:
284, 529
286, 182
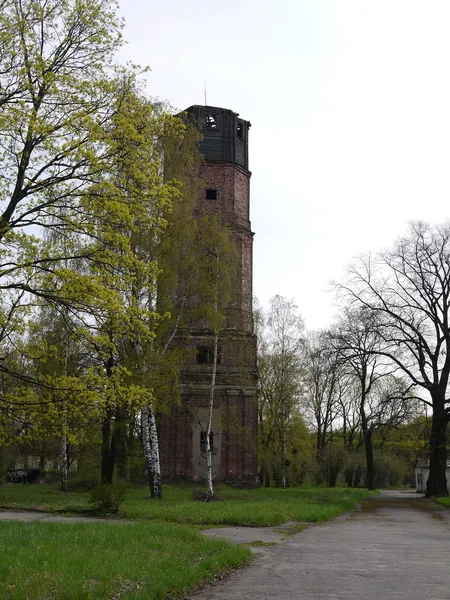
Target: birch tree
137, 182
59, 90
215, 254
280, 368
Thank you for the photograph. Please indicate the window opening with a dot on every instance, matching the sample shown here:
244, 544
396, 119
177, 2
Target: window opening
203, 441
240, 129
211, 121
205, 355
211, 194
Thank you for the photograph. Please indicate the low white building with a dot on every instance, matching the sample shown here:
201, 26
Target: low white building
422, 473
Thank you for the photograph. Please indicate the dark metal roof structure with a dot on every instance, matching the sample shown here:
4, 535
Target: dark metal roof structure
225, 134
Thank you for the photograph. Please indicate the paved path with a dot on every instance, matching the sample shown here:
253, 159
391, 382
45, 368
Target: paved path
36, 515
395, 547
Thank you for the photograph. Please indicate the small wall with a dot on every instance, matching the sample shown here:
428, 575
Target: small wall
422, 474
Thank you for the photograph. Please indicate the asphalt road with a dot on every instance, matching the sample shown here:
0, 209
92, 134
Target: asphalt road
396, 546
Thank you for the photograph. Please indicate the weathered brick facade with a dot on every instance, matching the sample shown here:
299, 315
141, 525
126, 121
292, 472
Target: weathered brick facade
225, 174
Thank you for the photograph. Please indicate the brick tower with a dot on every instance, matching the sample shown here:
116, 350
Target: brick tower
224, 188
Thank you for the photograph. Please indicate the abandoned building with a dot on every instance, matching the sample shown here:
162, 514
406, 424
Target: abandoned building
225, 187
422, 472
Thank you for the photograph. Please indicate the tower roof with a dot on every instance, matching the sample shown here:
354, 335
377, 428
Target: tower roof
225, 134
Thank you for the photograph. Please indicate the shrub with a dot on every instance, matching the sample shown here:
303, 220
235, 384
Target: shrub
108, 497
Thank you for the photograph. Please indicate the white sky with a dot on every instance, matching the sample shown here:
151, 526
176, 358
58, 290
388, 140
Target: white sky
349, 102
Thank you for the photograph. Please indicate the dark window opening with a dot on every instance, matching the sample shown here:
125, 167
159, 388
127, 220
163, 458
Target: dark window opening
203, 441
211, 121
205, 355
211, 194
240, 130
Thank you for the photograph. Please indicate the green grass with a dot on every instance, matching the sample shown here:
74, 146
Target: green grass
261, 507
162, 555
42, 497
106, 560
261, 544
445, 501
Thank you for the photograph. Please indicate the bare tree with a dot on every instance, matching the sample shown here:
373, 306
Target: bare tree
357, 344
407, 290
320, 393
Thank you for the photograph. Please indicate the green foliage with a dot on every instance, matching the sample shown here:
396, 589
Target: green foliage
333, 460
299, 453
108, 498
58, 93
409, 441
284, 443
390, 470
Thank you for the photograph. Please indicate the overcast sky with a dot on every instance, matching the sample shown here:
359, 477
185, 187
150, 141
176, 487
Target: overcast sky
349, 102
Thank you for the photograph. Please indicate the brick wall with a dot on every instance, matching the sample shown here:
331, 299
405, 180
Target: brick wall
237, 378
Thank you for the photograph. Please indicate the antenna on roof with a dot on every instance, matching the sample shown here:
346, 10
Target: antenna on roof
204, 88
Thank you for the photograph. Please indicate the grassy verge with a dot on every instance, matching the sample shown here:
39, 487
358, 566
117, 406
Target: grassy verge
162, 555
103, 560
445, 501
261, 507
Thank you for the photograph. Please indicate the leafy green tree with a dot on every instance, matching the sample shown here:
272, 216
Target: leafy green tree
59, 91
279, 356
127, 330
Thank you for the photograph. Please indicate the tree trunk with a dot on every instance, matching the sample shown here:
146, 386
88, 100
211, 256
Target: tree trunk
63, 442
283, 442
151, 451
437, 480
63, 455
369, 459
209, 481
149, 434
367, 433
264, 476
147, 447
332, 477
261, 475
120, 441
156, 465
349, 476
41, 457
108, 450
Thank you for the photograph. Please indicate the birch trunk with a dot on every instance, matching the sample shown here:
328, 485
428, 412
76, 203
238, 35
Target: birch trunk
147, 447
209, 482
156, 490
150, 439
